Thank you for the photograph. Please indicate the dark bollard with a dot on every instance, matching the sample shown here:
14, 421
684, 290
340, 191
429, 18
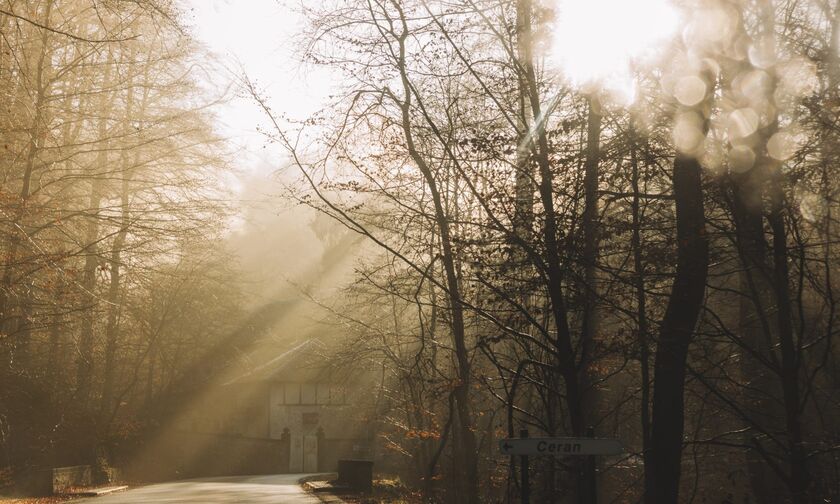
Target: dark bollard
356, 474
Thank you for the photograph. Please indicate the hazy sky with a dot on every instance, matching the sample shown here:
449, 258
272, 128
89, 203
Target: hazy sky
274, 240
261, 36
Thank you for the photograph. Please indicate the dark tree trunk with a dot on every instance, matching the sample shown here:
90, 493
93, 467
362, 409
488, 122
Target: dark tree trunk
84, 361
115, 262
790, 350
565, 365
754, 325
676, 333
641, 306
114, 307
466, 453
589, 326
18, 325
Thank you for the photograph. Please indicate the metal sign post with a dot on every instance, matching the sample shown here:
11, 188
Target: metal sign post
526, 483
589, 472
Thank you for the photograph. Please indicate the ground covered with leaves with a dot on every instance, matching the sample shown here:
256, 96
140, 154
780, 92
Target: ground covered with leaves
36, 500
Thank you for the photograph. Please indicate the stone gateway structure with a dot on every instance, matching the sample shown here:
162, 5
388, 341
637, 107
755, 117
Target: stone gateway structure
292, 401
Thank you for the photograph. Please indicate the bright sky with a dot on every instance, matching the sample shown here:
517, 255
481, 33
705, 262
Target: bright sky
262, 36
259, 35
595, 40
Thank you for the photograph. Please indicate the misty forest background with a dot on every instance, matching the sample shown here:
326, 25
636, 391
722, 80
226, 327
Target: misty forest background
525, 252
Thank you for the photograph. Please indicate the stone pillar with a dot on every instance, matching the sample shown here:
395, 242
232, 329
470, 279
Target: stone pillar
322, 450
285, 450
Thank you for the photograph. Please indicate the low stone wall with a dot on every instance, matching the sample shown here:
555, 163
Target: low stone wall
55, 481
65, 478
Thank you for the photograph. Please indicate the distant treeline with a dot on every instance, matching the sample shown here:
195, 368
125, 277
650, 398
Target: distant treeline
115, 293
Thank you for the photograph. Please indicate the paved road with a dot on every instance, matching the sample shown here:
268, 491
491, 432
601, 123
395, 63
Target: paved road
274, 489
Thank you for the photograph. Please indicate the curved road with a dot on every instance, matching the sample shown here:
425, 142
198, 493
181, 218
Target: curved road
275, 489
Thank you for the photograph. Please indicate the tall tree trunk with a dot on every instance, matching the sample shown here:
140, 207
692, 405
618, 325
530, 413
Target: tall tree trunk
566, 365
754, 325
85, 359
18, 325
466, 455
524, 191
115, 261
523, 226
773, 290
790, 369
589, 224
15, 302
54, 360
641, 305
676, 332
114, 304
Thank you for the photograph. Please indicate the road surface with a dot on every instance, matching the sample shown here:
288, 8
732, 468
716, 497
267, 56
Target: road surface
275, 489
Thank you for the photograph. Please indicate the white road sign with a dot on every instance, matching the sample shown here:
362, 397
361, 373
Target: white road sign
560, 447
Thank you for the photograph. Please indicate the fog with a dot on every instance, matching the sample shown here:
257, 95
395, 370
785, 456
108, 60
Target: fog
417, 251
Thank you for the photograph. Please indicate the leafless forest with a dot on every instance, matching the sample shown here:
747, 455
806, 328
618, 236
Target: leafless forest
542, 237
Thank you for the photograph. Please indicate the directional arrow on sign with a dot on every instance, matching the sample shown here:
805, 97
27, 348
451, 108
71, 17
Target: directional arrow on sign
560, 447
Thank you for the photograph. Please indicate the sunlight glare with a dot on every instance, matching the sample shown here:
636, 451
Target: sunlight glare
596, 41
